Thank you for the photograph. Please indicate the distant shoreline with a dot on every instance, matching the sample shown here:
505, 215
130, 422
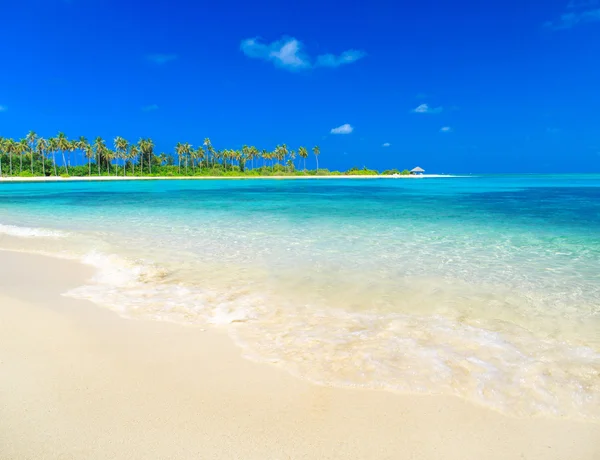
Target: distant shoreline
128, 178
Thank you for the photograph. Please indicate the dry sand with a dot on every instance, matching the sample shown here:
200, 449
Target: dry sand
121, 178
79, 382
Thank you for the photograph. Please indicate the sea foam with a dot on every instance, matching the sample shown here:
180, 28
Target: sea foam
27, 232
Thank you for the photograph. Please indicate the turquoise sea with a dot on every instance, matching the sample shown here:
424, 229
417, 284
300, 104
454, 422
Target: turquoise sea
485, 287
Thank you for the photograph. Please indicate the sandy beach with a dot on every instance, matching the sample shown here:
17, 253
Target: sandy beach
122, 178
77, 381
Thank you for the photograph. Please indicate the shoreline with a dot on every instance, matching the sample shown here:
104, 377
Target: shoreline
126, 178
81, 382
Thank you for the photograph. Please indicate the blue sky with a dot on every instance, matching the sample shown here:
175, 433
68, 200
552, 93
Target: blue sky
460, 86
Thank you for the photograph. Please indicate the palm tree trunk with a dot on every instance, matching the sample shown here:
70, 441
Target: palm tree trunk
54, 163
64, 162
32, 162
90, 166
21, 162
10, 160
43, 163
98, 164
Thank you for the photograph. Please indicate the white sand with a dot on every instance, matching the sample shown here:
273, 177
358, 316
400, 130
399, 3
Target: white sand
121, 178
78, 382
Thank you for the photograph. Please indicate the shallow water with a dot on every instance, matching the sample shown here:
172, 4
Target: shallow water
483, 287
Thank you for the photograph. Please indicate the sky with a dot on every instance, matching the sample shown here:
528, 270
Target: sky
453, 87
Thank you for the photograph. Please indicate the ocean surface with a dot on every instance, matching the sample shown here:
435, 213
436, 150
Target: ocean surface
486, 287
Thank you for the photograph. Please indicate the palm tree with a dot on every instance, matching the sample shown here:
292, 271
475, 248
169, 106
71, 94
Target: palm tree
292, 158
121, 146
199, 155
210, 150
303, 154
30, 138
133, 153
63, 144
22, 149
41, 147
100, 149
89, 154
187, 150
110, 155
83, 145
179, 152
2, 141
163, 158
146, 147
53, 147
317, 152
10, 147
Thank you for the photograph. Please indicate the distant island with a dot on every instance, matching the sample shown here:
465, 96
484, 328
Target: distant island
35, 156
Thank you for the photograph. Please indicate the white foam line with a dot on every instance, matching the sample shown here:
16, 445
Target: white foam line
27, 232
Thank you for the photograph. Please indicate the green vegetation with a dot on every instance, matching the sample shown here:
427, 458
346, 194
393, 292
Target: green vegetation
35, 156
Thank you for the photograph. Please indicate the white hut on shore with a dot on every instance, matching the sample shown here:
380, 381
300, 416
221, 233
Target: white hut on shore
417, 171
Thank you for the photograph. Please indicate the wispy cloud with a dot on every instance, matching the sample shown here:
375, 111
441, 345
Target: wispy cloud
288, 53
578, 12
424, 108
387, 144
344, 129
3, 108
149, 108
553, 130
161, 59
347, 57
446, 129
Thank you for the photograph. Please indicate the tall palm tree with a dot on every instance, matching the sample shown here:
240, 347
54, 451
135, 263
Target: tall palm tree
317, 152
10, 147
210, 150
100, 149
30, 138
89, 154
146, 147
41, 147
187, 150
83, 145
200, 153
121, 146
2, 140
179, 153
303, 154
110, 155
63, 144
133, 153
53, 147
22, 149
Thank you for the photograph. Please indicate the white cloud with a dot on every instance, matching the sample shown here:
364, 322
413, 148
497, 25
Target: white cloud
446, 129
3, 108
572, 19
288, 53
387, 144
150, 108
161, 59
424, 108
347, 57
344, 129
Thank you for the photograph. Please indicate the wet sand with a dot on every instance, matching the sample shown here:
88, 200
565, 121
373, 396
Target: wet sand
79, 382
